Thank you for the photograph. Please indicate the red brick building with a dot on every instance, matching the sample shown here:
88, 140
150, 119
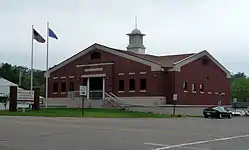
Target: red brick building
139, 78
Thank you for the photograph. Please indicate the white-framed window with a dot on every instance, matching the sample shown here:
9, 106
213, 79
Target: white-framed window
202, 88
121, 86
185, 86
193, 88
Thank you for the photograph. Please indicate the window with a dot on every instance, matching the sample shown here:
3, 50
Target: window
132, 84
121, 85
63, 87
185, 86
143, 85
201, 87
71, 86
55, 87
205, 61
193, 88
95, 55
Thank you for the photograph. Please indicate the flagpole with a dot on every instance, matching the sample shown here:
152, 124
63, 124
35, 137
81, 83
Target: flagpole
47, 67
32, 51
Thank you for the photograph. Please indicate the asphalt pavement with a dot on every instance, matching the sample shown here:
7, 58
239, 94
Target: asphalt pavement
47, 133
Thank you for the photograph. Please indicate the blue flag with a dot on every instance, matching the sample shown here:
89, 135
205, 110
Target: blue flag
52, 34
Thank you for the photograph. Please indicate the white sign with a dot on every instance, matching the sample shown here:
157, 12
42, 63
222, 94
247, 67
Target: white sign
235, 100
83, 90
174, 97
25, 95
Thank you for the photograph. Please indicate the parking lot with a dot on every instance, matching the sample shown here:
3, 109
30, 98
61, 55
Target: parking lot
39, 133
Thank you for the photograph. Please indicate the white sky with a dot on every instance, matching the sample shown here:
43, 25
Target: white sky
171, 27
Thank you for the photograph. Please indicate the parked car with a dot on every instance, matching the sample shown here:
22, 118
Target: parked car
217, 112
247, 112
239, 112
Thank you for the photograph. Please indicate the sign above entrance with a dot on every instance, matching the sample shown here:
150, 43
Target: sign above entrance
83, 90
93, 69
25, 95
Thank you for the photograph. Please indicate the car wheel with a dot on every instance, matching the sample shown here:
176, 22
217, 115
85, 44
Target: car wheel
220, 116
205, 116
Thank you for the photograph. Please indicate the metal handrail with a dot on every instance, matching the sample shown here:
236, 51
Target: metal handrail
115, 96
115, 100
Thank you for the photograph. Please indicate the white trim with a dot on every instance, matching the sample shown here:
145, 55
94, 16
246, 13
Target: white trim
143, 73
177, 65
185, 91
91, 65
202, 92
216, 93
55, 77
71, 77
93, 75
132, 91
120, 74
154, 66
142, 91
209, 92
120, 91
131, 73
63, 93
63, 77
194, 92
55, 93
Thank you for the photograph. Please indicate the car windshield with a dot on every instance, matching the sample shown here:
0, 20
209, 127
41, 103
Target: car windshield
222, 109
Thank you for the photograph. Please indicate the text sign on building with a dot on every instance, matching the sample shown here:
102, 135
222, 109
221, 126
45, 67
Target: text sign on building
83, 90
25, 95
93, 69
174, 97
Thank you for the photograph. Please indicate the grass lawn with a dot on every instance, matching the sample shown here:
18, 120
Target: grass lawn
88, 112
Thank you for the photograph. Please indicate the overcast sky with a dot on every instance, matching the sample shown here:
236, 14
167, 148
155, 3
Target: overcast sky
171, 27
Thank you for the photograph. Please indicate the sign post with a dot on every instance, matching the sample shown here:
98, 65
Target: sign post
83, 93
235, 103
174, 102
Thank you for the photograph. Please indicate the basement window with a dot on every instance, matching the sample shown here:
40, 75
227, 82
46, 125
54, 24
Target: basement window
71, 86
63, 87
143, 85
121, 85
193, 88
55, 87
132, 85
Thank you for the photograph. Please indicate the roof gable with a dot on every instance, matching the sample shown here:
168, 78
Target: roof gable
177, 65
154, 65
4, 82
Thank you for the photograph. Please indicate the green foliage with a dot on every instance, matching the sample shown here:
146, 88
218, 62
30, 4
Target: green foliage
240, 87
11, 73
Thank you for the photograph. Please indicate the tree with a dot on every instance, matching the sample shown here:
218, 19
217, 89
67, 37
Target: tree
11, 73
240, 89
238, 75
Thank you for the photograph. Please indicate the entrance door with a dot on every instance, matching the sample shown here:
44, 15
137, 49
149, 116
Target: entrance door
96, 88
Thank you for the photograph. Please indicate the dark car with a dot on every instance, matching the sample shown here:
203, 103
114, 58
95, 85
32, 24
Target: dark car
217, 112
